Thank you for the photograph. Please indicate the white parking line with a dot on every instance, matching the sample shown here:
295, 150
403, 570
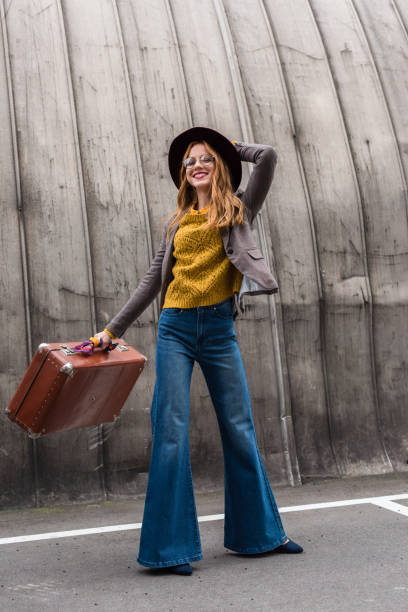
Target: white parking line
385, 501
69, 534
390, 505
344, 502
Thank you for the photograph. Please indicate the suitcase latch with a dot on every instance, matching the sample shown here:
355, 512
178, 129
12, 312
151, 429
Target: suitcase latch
67, 350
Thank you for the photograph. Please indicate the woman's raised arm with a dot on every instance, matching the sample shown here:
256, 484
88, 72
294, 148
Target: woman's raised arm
264, 157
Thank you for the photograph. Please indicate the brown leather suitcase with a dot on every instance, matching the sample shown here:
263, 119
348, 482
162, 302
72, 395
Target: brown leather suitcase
64, 390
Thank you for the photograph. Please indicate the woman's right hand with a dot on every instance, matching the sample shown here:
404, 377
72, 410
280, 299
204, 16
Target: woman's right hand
106, 339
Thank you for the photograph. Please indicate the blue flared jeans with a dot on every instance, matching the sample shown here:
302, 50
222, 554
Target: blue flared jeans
170, 534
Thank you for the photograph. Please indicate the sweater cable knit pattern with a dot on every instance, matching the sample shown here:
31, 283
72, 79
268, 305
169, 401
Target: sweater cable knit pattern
203, 274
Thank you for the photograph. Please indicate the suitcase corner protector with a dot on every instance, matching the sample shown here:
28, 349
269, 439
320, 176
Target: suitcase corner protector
68, 369
33, 435
42, 347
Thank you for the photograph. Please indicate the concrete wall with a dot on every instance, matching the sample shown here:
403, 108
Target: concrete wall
91, 95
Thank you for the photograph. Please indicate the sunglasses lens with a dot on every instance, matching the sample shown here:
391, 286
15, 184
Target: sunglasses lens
190, 161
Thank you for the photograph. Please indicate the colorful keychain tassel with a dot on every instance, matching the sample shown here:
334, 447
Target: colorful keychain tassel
87, 347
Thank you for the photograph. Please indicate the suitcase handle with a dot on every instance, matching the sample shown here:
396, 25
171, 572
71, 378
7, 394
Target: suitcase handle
87, 348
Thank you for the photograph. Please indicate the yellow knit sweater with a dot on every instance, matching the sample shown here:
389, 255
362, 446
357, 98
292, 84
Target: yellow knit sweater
203, 274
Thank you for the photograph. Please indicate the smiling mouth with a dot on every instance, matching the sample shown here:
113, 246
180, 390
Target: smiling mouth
200, 174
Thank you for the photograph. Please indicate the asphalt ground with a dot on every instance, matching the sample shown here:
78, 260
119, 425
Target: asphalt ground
355, 557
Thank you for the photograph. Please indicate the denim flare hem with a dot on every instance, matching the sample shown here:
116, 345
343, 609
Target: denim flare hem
197, 557
256, 550
170, 531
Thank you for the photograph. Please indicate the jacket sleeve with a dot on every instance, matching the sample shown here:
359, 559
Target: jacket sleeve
143, 295
264, 157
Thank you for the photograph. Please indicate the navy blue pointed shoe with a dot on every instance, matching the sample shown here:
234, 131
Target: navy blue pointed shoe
181, 570
289, 548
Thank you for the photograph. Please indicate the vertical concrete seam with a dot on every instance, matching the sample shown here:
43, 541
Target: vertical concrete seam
22, 232
286, 421
133, 118
396, 8
403, 25
383, 94
187, 102
291, 116
371, 57
346, 135
273, 38
84, 211
358, 193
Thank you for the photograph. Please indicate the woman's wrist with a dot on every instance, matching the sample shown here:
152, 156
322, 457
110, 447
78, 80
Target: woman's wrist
110, 334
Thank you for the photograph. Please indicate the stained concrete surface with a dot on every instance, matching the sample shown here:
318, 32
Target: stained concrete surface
355, 558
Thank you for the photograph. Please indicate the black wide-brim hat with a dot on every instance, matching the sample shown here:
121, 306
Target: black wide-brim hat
222, 145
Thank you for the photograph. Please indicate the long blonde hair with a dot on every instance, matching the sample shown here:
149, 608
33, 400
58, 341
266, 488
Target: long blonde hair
225, 210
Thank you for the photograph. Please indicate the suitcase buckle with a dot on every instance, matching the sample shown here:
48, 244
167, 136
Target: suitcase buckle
122, 347
67, 350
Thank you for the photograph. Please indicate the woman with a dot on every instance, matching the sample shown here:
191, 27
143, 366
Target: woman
206, 262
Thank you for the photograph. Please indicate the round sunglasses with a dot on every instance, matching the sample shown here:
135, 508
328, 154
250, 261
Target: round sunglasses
205, 158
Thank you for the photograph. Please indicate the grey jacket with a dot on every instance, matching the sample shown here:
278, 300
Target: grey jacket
238, 240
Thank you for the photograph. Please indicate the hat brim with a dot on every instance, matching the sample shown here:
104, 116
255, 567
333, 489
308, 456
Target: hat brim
222, 145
